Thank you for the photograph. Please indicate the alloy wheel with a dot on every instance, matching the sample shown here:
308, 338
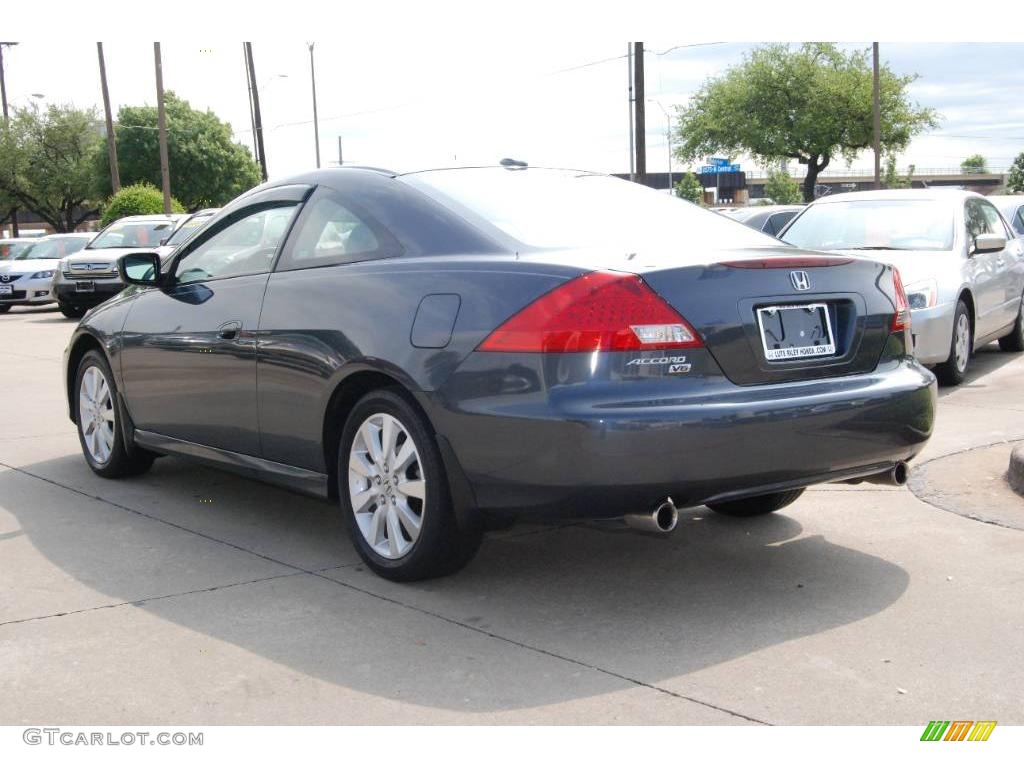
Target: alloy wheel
96, 416
386, 485
962, 348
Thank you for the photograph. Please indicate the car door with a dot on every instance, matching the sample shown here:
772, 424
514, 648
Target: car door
1000, 296
983, 268
189, 347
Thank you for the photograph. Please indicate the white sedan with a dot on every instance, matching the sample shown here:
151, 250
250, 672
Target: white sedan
27, 278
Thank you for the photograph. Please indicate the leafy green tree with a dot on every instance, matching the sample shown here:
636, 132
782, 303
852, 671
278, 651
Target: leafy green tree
207, 167
781, 188
46, 164
892, 179
1015, 181
689, 188
810, 104
974, 164
135, 200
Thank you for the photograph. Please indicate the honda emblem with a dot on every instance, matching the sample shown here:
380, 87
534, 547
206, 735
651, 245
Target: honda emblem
800, 280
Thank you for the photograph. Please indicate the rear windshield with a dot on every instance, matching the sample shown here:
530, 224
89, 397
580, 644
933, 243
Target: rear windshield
54, 248
132, 234
570, 209
186, 229
901, 225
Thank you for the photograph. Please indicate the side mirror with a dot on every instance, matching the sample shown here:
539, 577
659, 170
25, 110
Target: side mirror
139, 269
989, 242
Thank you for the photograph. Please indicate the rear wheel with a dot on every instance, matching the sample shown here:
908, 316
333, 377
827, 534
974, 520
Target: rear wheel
98, 429
1014, 340
757, 505
394, 492
69, 311
953, 371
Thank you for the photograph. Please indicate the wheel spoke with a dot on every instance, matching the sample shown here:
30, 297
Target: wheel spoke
409, 519
375, 524
371, 439
395, 541
361, 499
405, 454
388, 435
414, 488
357, 463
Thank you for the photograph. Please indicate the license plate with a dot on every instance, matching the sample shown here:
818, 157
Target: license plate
6, 289
792, 332
85, 286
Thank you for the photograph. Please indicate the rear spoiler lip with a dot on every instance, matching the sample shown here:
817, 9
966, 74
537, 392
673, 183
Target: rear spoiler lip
789, 262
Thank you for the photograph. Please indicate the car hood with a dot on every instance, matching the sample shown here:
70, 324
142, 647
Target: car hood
27, 266
914, 266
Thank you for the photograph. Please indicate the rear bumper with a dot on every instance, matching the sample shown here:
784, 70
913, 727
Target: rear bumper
590, 453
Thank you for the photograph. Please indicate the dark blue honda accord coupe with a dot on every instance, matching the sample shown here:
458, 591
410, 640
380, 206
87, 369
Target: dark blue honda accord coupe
446, 349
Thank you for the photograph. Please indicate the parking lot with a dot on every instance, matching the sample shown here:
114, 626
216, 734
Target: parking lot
192, 596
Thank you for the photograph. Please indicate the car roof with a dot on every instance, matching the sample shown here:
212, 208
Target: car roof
931, 193
59, 235
142, 218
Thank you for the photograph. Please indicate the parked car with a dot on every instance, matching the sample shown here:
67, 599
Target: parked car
443, 349
1012, 208
963, 267
27, 278
187, 227
90, 277
770, 219
12, 246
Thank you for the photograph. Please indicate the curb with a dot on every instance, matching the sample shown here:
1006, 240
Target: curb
1015, 474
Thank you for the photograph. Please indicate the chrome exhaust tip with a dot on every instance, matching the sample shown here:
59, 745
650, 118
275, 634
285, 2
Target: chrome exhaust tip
898, 475
662, 520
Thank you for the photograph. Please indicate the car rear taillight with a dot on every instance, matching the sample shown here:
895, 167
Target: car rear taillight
901, 320
596, 312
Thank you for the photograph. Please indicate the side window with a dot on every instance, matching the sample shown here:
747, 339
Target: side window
246, 246
979, 220
331, 231
1018, 221
780, 220
993, 219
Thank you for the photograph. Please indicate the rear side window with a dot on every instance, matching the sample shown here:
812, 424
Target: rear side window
778, 221
1018, 221
333, 230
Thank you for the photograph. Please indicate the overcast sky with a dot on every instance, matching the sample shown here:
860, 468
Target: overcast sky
420, 103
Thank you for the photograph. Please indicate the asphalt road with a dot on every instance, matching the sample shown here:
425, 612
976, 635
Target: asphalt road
190, 596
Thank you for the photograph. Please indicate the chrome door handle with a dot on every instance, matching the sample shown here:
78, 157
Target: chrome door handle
229, 330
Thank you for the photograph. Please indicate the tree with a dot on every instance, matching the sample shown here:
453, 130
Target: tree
1015, 181
891, 177
46, 161
781, 188
974, 164
809, 104
689, 188
207, 167
134, 200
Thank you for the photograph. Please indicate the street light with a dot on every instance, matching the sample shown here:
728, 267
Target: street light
668, 139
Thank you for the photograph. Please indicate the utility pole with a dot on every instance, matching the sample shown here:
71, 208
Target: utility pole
257, 120
629, 104
7, 123
876, 113
340, 161
638, 112
316, 126
161, 114
115, 177
252, 118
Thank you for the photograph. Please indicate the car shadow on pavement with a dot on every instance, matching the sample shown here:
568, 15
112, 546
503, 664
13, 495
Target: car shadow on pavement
983, 362
610, 605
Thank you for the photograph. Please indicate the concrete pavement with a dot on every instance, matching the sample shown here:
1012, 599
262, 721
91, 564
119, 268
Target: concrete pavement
191, 596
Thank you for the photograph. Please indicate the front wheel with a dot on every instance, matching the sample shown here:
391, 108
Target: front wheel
1014, 340
5, 308
394, 492
99, 432
954, 370
757, 505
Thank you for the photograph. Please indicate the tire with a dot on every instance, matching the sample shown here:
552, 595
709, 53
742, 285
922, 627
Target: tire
954, 370
1014, 340
382, 507
70, 312
103, 446
5, 308
757, 505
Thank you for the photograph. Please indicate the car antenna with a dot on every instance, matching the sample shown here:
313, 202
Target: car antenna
508, 162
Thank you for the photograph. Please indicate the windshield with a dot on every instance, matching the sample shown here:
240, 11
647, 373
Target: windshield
571, 209
186, 229
56, 248
11, 250
132, 234
902, 225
